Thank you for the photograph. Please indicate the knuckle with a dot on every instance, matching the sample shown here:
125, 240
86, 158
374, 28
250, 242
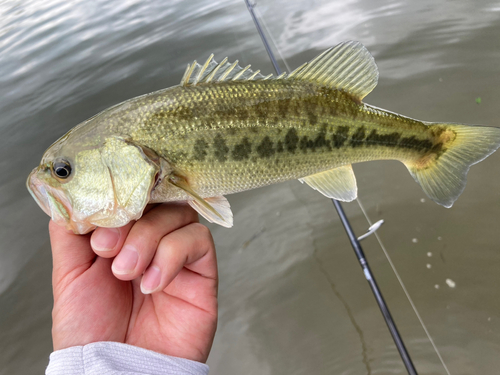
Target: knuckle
193, 215
146, 221
188, 215
145, 228
170, 242
202, 231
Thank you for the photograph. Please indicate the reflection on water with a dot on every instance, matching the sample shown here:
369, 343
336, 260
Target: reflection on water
292, 297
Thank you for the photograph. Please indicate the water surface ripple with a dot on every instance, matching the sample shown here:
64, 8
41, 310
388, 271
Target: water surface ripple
292, 297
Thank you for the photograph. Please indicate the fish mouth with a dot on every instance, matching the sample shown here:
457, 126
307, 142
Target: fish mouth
37, 191
50, 199
55, 203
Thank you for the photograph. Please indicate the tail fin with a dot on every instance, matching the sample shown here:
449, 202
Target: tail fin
443, 174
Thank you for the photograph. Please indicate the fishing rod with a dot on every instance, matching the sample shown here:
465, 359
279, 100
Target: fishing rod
398, 340
358, 250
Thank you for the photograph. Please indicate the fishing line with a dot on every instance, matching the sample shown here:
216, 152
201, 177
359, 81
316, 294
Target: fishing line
404, 288
384, 309
256, 10
398, 341
251, 9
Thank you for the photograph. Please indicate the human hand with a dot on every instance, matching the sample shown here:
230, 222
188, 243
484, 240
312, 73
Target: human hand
98, 298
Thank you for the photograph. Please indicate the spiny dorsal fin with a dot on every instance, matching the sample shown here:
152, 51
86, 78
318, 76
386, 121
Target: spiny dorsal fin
348, 66
212, 71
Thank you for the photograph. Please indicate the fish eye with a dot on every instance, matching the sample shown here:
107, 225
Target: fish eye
61, 168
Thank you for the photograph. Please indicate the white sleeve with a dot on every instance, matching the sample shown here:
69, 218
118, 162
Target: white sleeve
108, 358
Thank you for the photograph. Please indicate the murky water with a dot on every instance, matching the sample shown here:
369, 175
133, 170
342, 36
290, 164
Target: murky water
292, 297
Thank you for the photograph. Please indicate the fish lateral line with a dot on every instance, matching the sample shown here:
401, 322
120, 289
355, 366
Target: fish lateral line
228, 129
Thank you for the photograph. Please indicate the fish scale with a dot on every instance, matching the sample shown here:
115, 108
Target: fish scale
226, 129
213, 148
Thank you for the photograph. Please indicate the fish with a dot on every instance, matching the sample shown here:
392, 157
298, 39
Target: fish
226, 129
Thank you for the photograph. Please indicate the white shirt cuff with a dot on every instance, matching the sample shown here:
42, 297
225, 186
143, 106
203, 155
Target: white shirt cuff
107, 358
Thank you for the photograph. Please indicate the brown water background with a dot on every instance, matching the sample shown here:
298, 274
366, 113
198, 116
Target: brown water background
293, 299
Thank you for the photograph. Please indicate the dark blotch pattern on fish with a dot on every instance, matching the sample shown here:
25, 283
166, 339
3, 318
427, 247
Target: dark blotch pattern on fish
279, 147
312, 144
262, 111
330, 108
183, 113
265, 149
200, 149
413, 143
313, 119
389, 140
242, 150
320, 140
340, 136
358, 137
291, 140
242, 114
436, 131
306, 143
310, 107
438, 149
220, 148
283, 106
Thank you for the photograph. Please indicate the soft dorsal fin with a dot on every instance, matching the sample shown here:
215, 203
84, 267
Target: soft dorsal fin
338, 183
348, 66
212, 71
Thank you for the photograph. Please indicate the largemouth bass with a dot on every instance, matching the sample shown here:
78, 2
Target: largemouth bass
226, 129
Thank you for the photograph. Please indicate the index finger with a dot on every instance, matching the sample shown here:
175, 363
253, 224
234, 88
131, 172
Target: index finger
145, 235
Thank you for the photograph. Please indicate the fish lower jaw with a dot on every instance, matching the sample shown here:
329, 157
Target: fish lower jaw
79, 227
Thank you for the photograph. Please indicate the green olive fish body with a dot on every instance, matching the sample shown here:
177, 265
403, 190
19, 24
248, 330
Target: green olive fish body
227, 129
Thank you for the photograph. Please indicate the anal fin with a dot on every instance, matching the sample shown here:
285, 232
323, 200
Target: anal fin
215, 209
338, 183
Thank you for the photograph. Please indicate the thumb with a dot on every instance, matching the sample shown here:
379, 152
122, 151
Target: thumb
71, 253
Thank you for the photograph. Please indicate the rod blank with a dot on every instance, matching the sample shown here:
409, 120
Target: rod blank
358, 250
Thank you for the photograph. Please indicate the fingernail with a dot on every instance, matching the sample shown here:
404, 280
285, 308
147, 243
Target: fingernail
105, 239
126, 261
150, 280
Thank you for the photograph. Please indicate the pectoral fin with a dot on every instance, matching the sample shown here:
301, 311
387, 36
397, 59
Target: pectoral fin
215, 209
338, 183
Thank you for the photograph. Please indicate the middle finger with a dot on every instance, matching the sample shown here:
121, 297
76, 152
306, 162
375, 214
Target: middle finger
142, 240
